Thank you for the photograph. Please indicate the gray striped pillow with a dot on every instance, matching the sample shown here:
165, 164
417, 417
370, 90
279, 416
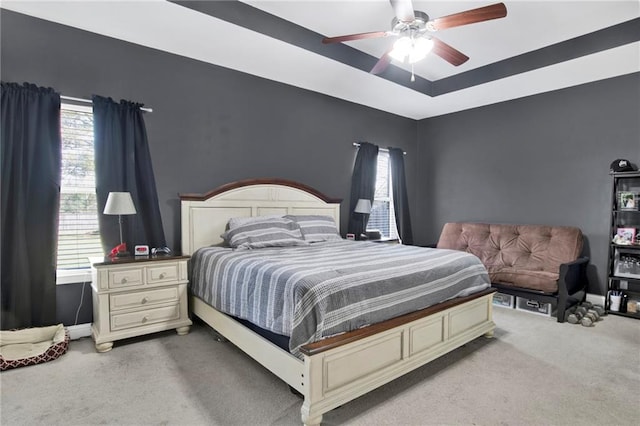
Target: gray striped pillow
235, 222
316, 228
269, 232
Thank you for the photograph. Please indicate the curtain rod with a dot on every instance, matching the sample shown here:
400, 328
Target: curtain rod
379, 149
89, 101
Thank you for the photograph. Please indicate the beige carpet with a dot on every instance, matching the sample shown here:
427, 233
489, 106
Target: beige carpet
534, 372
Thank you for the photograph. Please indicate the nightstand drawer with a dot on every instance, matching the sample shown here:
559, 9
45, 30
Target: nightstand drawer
125, 278
143, 298
160, 274
146, 317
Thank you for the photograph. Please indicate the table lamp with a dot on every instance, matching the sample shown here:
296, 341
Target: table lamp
363, 206
119, 203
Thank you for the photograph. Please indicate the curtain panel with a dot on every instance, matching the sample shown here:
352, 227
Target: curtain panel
31, 160
363, 185
123, 164
400, 197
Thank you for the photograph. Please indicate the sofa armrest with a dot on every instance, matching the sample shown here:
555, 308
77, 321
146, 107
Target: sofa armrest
572, 285
573, 276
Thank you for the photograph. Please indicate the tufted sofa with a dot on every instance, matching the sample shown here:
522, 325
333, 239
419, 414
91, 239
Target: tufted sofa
533, 261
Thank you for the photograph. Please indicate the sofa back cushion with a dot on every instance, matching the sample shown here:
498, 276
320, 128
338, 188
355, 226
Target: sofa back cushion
519, 248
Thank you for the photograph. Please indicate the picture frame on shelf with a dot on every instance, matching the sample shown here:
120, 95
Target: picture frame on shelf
626, 264
625, 236
628, 200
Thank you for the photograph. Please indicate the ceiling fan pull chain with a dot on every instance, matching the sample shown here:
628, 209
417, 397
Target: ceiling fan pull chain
413, 77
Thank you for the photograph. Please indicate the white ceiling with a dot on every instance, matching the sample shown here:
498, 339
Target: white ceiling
529, 26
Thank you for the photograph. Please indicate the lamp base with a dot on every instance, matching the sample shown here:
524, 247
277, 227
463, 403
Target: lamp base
119, 251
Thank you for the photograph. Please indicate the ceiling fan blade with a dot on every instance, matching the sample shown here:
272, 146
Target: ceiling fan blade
360, 36
448, 53
472, 16
382, 63
403, 10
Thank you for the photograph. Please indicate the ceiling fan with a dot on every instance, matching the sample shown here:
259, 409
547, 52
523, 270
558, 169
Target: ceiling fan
413, 29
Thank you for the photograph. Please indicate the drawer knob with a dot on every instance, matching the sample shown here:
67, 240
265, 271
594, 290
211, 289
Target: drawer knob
144, 319
123, 281
144, 300
162, 275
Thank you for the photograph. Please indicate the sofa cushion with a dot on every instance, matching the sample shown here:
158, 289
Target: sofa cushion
526, 256
522, 278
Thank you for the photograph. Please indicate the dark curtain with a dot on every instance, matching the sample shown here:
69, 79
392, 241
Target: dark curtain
400, 198
31, 160
363, 185
123, 164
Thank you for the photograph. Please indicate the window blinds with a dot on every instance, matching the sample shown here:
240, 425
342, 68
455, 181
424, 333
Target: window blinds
78, 235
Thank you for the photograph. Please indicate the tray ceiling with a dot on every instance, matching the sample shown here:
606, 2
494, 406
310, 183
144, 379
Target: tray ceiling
539, 47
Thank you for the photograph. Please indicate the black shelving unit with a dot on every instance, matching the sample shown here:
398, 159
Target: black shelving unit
624, 259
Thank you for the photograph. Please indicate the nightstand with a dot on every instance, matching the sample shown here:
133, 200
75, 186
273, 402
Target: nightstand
136, 296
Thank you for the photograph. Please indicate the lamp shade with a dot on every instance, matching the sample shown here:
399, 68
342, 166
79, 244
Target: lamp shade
363, 206
119, 203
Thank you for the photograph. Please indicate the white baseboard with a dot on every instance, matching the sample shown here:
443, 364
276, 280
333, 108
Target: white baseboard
596, 299
80, 330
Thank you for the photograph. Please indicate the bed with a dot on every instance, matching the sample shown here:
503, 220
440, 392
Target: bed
333, 370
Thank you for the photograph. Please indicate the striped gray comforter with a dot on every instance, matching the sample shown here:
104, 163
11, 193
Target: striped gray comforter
323, 289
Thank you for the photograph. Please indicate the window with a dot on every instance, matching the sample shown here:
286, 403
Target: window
78, 234
382, 216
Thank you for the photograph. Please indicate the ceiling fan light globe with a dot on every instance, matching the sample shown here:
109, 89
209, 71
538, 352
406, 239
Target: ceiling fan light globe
416, 56
423, 45
401, 48
398, 56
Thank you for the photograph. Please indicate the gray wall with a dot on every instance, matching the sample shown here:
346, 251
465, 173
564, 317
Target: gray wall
209, 125
543, 159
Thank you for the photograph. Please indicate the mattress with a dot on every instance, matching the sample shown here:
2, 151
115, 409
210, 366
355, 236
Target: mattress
311, 292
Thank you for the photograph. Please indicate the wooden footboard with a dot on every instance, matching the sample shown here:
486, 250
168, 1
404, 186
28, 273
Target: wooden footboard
336, 374
339, 369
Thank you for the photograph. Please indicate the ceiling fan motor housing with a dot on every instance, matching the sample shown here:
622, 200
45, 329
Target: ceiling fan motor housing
418, 25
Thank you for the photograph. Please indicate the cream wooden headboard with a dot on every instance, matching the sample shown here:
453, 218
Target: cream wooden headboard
204, 216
